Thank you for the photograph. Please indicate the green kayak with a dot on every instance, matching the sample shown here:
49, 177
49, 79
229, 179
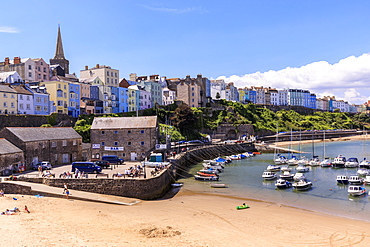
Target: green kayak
242, 206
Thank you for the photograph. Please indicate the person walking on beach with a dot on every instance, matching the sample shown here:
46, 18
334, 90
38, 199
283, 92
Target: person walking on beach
65, 188
67, 193
26, 209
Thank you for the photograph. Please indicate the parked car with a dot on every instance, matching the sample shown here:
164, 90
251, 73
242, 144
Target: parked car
88, 167
45, 165
195, 141
113, 159
103, 163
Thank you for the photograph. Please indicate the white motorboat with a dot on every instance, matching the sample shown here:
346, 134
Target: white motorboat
314, 161
235, 157
273, 168
280, 159
282, 184
356, 190
302, 185
367, 180
210, 171
218, 185
351, 163
206, 178
302, 161
302, 168
339, 161
268, 175
363, 172
286, 175
285, 168
326, 162
299, 176
342, 179
355, 179
364, 164
293, 161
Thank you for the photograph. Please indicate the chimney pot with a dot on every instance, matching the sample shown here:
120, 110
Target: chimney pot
97, 66
86, 67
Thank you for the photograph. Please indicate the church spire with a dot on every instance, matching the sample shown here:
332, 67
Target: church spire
59, 58
59, 53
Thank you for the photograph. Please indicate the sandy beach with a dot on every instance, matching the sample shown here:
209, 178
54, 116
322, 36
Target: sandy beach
187, 219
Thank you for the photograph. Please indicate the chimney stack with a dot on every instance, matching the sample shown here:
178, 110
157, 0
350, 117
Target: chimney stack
17, 60
97, 66
7, 62
86, 67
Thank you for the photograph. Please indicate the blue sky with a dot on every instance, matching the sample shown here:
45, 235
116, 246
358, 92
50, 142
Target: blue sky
320, 45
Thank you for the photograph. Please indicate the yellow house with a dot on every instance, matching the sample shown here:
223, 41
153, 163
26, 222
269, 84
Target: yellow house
8, 100
59, 94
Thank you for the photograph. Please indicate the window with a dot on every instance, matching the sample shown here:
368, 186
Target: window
59, 86
56, 157
65, 87
29, 74
21, 106
102, 132
74, 142
142, 131
45, 100
192, 89
28, 107
5, 96
38, 99
44, 70
12, 105
128, 143
115, 132
45, 108
38, 69
38, 108
64, 143
103, 143
142, 143
53, 144
29, 67
129, 131
115, 143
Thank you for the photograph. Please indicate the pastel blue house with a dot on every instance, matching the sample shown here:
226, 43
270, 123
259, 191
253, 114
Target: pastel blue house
41, 98
123, 99
74, 100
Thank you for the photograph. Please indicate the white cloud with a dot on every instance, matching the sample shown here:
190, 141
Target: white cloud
349, 79
171, 10
4, 29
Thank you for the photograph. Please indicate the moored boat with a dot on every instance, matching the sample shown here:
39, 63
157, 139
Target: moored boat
273, 168
339, 161
367, 180
356, 190
268, 175
326, 162
286, 175
205, 178
299, 176
342, 179
206, 174
302, 185
280, 159
363, 172
218, 185
355, 179
301, 168
285, 168
314, 161
351, 163
364, 164
293, 161
282, 184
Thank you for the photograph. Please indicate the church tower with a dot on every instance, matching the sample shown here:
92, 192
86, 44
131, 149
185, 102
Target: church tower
59, 55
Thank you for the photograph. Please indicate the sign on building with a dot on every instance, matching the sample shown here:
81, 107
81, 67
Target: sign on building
160, 146
113, 148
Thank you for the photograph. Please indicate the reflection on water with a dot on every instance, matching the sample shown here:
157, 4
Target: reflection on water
243, 179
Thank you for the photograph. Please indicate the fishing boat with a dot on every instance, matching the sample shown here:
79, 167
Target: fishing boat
282, 184
355, 179
342, 179
302, 168
351, 163
339, 161
206, 178
356, 190
286, 175
302, 185
299, 176
273, 168
268, 175
207, 174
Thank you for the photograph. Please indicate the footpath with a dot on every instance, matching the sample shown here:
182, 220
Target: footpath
45, 190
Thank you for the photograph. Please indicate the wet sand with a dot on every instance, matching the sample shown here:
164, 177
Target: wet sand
187, 219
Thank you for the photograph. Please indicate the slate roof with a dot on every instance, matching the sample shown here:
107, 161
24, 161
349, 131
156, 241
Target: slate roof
6, 88
7, 147
28, 134
124, 122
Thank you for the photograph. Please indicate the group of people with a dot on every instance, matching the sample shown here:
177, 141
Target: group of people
77, 174
1, 193
47, 174
14, 211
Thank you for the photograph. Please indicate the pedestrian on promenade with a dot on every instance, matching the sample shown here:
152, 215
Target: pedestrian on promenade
65, 188
39, 168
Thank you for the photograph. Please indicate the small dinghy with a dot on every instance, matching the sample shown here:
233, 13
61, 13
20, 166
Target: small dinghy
218, 185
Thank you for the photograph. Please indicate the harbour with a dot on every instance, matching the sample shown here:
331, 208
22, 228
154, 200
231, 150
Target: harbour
243, 180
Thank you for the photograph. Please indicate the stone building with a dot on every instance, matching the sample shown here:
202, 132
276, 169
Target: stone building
56, 145
130, 138
11, 157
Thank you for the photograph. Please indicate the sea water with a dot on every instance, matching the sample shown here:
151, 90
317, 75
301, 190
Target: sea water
243, 180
